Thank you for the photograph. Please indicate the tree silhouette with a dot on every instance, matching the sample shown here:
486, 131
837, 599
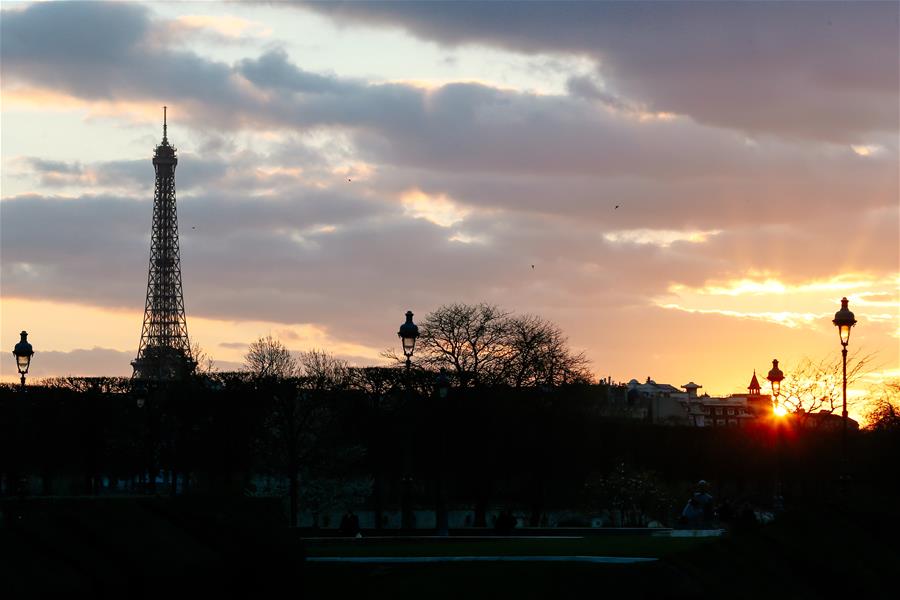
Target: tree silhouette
815, 386
482, 344
300, 391
884, 414
268, 358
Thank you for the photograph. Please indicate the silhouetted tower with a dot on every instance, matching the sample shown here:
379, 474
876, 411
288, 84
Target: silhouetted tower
164, 353
754, 388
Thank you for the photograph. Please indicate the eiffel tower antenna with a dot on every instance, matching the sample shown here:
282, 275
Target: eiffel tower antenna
164, 353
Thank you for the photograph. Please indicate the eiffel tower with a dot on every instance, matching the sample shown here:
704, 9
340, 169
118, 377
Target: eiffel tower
164, 353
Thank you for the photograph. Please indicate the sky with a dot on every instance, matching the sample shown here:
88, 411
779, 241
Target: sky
687, 189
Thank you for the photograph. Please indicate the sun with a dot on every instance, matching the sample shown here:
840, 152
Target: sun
780, 411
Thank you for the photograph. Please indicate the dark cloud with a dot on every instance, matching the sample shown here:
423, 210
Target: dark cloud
268, 258
54, 167
60, 46
234, 345
97, 35
275, 232
822, 70
773, 186
457, 127
585, 87
273, 70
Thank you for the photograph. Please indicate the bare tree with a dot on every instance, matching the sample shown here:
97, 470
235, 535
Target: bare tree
205, 362
484, 344
376, 382
540, 354
467, 339
103, 384
322, 371
884, 412
633, 496
816, 386
293, 425
300, 392
267, 358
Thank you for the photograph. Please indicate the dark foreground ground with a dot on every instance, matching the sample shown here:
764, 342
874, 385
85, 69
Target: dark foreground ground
155, 547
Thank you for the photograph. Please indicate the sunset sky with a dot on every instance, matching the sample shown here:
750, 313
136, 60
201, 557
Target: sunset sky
340, 164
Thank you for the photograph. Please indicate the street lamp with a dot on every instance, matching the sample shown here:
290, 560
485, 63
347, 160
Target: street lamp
775, 377
408, 333
442, 383
23, 354
844, 320
442, 386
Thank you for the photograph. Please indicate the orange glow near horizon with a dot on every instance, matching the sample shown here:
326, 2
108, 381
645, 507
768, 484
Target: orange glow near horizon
66, 327
42, 100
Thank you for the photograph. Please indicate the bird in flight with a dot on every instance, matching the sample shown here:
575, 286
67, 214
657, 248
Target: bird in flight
617, 206
532, 266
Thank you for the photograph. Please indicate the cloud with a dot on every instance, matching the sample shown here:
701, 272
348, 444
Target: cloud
439, 210
273, 71
57, 46
118, 174
788, 319
221, 29
458, 188
658, 237
820, 70
457, 126
585, 87
234, 345
54, 167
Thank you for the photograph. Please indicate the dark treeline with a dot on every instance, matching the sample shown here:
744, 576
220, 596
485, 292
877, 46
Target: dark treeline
532, 449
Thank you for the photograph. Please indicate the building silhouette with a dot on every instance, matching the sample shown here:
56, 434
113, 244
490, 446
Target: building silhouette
665, 404
164, 353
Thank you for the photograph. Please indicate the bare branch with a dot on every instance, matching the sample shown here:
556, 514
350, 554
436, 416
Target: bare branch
267, 357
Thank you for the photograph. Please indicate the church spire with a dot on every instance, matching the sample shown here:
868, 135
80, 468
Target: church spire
754, 385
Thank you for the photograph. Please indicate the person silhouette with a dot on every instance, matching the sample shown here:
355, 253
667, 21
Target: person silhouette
349, 524
505, 523
699, 511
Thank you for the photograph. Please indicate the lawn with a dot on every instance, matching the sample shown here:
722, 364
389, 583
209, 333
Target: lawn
617, 545
471, 580
816, 554
150, 547
495, 581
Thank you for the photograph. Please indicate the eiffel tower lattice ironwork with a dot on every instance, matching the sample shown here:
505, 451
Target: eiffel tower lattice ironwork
164, 353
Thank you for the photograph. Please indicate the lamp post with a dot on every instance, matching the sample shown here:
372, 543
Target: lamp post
442, 386
844, 320
775, 377
141, 392
23, 354
408, 334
